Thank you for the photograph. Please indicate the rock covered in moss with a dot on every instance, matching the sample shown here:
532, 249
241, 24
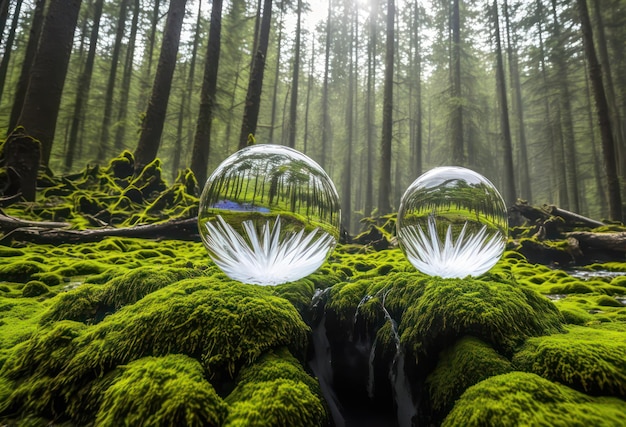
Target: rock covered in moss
276, 391
221, 325
162, 391
466, 363
590, 360
520, 398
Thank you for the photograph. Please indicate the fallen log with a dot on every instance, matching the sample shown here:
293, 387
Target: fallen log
572, 217
599, 241
10, 223
177, 229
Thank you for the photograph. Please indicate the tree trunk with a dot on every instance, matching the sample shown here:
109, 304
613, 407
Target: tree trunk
507, 149
608, 143
565, 107
107, 115
43, 97
370, 109
185, 119
309, 88
325, 117
84, 83
458, 153
295, 79
152, 128
122, 115
149, 53
384, 186
279, 42
202, 142
255, 84
8, 47
27, 62
416, 116
524, 173
4, 14
346, 182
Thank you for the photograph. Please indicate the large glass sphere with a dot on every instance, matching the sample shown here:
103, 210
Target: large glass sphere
452, 222
269, 215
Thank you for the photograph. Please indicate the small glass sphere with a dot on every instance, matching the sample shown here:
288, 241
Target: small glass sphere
452, 222
269, 215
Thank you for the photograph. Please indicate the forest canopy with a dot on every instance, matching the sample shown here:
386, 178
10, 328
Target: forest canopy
532, 94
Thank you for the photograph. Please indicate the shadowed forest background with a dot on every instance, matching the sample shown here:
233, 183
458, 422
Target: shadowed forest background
531, 94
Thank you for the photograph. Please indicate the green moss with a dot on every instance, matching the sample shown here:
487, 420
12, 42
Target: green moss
590, 360
466, 363
498, 313
519, 398
81, 304
49, 278
160, 391
6, 252
34, 288
20, 271
280, 402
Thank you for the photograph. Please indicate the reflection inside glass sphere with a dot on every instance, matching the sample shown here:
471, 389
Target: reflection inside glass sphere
452, 222
269, 215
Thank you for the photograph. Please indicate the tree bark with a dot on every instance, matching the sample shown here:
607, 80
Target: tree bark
565, 108
84, 83
27, 62
279, 42
325, 116
43, 97
4, 64
152, 128
122, 113
295, 79
458, 150
384, 188
103, 146
255, 84
507, 148
524, 174
202, 142
608, 143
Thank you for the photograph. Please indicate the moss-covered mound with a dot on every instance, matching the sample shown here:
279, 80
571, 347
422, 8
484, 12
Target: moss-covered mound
587, 359
466, 363
276, 392
218, 325
499, 313
523, 399
170, 390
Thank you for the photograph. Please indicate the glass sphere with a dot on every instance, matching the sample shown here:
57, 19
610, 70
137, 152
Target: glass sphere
452, 222
269, 215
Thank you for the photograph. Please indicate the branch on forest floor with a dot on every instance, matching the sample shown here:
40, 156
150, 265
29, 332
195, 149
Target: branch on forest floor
53, 233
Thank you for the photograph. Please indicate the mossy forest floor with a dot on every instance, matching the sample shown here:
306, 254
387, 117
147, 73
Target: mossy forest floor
143, 332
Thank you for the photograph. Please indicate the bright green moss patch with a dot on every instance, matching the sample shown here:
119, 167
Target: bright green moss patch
590, 360
222, 325
498, 313
19, 318
280, 402
162, 391
20, 272
34, 288
518, 398
466, 363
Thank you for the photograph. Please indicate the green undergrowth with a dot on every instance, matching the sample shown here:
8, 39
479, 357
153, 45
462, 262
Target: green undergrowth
525, 399
111, 195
